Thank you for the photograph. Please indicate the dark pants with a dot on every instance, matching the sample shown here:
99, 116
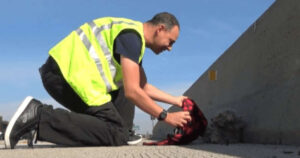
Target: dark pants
83, 125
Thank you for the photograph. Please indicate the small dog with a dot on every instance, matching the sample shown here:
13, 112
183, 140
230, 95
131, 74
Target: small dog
225, 128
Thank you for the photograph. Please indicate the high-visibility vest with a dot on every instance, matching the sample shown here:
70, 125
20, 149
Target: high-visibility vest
85, 58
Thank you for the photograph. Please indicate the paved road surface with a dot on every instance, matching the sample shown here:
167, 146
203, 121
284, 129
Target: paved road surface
47, 150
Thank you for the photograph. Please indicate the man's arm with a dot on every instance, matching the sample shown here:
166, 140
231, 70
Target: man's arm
134, 92
157, 94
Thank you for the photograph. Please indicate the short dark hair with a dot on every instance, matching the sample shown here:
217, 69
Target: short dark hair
168, 19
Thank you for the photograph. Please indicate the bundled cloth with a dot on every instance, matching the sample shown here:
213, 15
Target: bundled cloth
190, 131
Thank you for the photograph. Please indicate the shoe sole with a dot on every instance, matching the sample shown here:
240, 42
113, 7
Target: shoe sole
135, 142
13, 120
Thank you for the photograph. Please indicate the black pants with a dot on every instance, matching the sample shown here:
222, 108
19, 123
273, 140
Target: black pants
83, 125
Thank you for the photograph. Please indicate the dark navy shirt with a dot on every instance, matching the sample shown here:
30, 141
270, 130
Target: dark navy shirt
129, 44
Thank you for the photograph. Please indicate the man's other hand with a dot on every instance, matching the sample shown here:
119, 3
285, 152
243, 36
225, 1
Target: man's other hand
179, 100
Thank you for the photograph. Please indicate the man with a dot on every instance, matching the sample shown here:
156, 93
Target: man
96, 72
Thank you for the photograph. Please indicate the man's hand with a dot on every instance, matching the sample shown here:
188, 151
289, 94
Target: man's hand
179, 100
178, 119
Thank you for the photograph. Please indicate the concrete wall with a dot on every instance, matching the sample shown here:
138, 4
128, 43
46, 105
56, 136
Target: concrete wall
258, 77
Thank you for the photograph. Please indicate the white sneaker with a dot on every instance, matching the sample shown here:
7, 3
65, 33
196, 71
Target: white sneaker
134, 139
23, 121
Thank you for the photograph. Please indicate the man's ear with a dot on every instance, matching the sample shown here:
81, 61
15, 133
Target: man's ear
161, 27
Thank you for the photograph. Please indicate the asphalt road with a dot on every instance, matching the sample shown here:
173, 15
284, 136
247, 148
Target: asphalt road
47, 150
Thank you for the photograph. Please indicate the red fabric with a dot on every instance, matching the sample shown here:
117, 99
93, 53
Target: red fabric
191, 131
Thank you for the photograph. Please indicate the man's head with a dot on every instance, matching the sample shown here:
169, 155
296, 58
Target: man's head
161, 32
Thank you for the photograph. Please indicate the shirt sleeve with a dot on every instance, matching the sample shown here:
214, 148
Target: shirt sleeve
129, 44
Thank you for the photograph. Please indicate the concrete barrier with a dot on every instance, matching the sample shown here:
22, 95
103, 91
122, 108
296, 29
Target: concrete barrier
258, 77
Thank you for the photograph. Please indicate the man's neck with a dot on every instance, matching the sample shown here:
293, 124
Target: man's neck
149, 31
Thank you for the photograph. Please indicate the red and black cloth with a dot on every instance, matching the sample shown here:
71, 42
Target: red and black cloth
190, 131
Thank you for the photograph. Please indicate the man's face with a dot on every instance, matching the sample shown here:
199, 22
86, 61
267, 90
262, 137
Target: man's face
164, 39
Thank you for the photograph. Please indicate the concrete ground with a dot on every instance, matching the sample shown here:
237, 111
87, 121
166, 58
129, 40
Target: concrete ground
47, 150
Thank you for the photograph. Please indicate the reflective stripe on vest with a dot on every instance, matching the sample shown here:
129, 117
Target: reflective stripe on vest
108, 55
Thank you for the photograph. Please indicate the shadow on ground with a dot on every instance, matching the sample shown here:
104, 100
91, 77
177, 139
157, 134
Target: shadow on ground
249, 150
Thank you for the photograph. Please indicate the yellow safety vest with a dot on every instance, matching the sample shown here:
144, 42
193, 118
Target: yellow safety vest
85, 58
